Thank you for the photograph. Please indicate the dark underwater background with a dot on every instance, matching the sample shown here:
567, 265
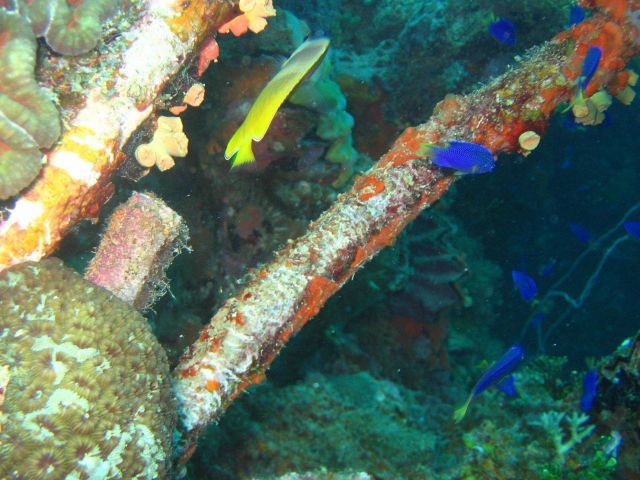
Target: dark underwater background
370, 385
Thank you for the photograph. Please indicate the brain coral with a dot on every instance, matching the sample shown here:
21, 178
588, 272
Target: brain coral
70, 27
86, 389
28, 117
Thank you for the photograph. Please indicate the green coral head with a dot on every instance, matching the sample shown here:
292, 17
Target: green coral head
28, 116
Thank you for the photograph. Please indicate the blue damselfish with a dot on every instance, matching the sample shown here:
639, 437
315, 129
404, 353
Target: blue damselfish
548, 268
576, 15
504, 31
525, 284
589, 66
589, 390
466, 157
508, 386
581, 232
632, 228
496, 374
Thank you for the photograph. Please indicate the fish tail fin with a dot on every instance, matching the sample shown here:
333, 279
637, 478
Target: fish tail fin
577, 99
424, 149
244, 154
460, 412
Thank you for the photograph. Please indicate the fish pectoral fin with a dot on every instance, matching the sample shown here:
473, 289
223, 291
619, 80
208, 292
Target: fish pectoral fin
243, 155
460, 412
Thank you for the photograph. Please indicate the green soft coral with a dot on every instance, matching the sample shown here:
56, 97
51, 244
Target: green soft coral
323, 95
28, 116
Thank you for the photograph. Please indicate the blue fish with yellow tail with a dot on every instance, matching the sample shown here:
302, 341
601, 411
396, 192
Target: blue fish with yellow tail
465, 157
496, 374
589, 66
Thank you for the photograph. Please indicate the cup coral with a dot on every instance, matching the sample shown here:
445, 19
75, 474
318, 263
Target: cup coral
254, 17
168, 141
86, 383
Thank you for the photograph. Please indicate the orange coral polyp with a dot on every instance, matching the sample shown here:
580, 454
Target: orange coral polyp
369, 188
620, 82
238, 318
611, 40
212, 385
316, 294
616, 8
238, 26
359, 257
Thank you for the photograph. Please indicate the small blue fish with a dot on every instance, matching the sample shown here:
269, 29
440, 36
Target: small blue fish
589, 390
537, 319
581, 232
570, 123
576, 15
633, 229
589, 66
525, 285
508, 386
465, 157
498, 371
504, 31
548, 268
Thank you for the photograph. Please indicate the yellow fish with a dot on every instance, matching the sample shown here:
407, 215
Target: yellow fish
301, 62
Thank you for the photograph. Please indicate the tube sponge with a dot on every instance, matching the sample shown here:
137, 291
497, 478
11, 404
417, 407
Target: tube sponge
28, 117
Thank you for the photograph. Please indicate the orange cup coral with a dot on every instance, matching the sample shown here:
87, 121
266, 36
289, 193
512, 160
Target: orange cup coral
254, 17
